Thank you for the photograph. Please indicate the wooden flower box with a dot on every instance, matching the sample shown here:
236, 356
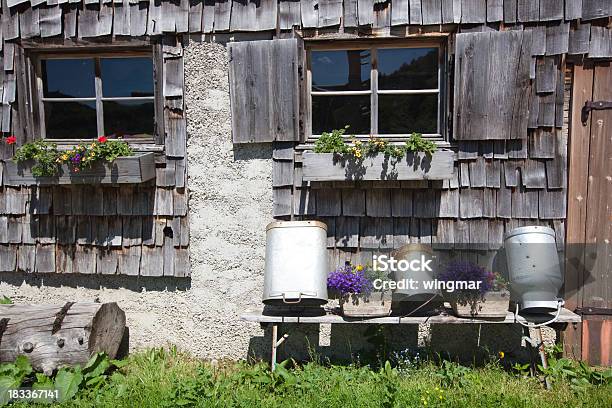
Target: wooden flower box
494, 305
376, 304
130, 169
414, 166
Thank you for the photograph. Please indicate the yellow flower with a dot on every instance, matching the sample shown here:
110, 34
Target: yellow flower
65, 157
501, 354
360, 268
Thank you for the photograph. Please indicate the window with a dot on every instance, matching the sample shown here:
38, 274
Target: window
83, 97
386, 89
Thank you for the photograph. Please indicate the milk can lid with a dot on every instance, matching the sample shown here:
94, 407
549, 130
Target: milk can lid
296, 224
530, 230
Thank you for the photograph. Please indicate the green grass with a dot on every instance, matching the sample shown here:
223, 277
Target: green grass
158, 378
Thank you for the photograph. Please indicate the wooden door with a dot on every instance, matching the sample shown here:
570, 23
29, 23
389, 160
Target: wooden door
588, 280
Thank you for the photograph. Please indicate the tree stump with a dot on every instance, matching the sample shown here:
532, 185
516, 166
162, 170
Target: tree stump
52, 336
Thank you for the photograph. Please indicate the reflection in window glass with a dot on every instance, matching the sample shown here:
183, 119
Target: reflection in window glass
335, 112
128, 118
408, 68
70, 120
347, 70
127, 76
68, 78
404, 114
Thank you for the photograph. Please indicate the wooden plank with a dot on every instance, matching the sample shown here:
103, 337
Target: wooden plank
347, 232
473, 11
353, 202
310, 13
195, 16
538, 39
495, 11
546, 74
594, 9
121, 18
378, 203
449, 203
510, 11
401, 203
573, 9
223, 9
477, 172
289, 14
546, 116
551, 10
471, 202
504, 202
128, 261
8, 258
138, 18
524, 203
365, 13
415, 12
431, 12
557, 38
330, 12
552, 204
542, 144
400, 14
208, 16
376, 233
70, 17
489, 209
601, 42
281, 201
528, 10
579, 39
29, 22
151, 261
533, 174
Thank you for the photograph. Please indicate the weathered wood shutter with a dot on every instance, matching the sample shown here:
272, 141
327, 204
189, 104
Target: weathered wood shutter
492, 85
264, 90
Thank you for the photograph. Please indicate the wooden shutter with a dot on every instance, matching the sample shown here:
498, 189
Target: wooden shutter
264, 90
492, 85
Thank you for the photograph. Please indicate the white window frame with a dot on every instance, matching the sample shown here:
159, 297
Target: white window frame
441, 134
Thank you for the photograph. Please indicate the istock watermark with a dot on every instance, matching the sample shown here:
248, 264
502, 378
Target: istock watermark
386, 263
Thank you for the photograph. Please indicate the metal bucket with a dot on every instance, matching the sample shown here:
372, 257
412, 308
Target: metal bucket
409, 253
533, 267
296, 263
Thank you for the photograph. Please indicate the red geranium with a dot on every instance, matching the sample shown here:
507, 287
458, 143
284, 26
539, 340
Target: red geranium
102, 139
11, 140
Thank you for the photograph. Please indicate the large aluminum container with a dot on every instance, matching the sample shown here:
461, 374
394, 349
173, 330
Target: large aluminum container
533, 267
296, 263
410, 253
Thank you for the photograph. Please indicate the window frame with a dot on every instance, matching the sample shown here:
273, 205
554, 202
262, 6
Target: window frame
39, 99
442, 134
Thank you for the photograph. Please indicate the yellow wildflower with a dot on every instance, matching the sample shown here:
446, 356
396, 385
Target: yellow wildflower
360, 268
501, 354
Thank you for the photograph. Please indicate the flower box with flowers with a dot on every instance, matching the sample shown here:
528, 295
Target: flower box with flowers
100, 162
376, 159
491, 300
353, 284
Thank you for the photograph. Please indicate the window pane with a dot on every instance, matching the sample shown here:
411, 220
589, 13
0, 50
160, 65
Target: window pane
404, 114
128, 118
127, 76
408, 68
71, 120
340, 70
335, 112
68, 78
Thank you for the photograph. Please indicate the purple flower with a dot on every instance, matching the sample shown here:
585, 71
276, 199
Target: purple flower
467, 271
347, 279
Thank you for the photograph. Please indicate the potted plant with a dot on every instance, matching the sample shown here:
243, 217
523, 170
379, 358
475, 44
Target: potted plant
354, 285
333, 158
486, 294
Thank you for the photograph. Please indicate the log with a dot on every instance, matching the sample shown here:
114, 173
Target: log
52, 336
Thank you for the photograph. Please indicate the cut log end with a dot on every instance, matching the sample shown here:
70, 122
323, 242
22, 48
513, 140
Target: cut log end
52, 336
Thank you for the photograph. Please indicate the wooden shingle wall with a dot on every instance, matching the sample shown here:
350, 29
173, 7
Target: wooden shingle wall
499, 184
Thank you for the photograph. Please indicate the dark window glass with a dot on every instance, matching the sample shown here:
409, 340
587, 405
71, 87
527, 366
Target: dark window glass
127, 76
340, 70
408, 68
335, 112
71, 120
404, 114
68, 78
128, 118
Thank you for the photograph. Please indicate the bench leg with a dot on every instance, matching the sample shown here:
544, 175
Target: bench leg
535, 344
276, 342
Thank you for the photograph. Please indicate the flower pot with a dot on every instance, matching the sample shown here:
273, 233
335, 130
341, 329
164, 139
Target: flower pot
493, 305
375, 304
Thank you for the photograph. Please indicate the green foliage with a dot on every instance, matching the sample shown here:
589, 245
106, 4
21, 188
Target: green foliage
47, 158
579, 375
43, 153
12, 375
522, 370
334, 142
416, 143
5, 301
452, 374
